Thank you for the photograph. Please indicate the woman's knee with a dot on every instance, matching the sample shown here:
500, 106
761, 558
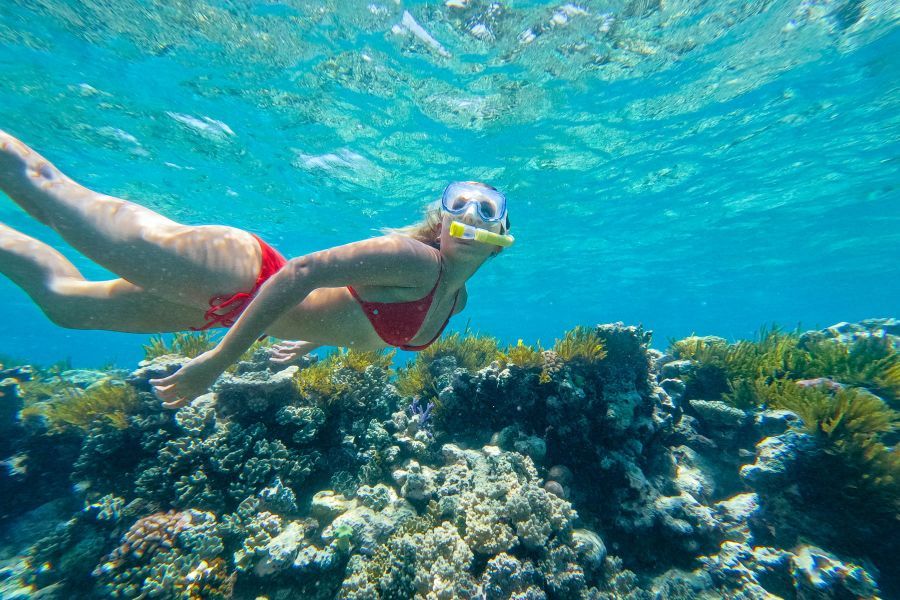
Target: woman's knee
67, 309
63, 317
65, 312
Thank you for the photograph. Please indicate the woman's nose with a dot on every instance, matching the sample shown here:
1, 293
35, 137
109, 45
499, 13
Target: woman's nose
471, 216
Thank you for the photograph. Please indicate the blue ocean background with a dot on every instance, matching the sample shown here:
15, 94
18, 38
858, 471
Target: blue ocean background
695, 167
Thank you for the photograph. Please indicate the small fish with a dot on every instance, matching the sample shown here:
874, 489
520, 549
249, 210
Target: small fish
825, 381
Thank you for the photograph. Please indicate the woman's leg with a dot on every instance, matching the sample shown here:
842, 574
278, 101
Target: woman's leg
184, 264
69, 300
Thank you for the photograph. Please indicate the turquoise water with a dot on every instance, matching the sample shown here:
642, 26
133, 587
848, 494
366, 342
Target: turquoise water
695, 167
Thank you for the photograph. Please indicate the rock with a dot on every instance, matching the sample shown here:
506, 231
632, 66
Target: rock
739, 508
590, 546
281, 549
719, 414
311, 558
773, 422
560, 473
675, 388
376, 497
556, 489
83, 378
531, 446
279, 498
776, 459
819, 574
156, 368
369, 528
692, 474
677, 369
417, 482
328, 504
257, 383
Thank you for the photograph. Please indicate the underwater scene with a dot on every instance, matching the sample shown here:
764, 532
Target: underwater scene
464, 299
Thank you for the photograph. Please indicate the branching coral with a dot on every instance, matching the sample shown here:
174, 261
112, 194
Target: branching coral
171, 555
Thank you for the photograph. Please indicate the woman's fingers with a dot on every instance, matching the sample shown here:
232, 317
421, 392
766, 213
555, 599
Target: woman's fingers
283, 358
177, 403
288, 351
190, 381
166, 390
168, 394
288, 345
165, 381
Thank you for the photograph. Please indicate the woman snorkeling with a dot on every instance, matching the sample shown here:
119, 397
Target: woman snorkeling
399, 289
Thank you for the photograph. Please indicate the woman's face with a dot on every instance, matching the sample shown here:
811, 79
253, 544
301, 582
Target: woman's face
468, 250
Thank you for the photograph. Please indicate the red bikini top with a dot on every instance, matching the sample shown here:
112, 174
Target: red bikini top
398, 322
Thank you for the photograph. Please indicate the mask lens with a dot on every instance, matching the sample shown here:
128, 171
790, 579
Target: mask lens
457, 203
458, 196
487, 209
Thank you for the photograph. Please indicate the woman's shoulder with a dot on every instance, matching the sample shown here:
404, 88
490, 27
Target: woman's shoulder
410, 247
394, 246
420, 260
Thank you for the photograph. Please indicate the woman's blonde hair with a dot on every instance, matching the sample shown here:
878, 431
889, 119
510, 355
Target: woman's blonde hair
427, 231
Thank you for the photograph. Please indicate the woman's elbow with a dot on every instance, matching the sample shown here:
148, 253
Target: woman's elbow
304, 272
294, 273
298, 267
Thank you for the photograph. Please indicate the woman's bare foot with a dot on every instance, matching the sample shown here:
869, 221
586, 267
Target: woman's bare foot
23, 170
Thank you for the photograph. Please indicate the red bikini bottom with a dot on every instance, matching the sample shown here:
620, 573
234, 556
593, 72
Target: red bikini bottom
225, 311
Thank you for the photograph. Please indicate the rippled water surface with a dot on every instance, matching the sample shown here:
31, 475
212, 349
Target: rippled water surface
698, 166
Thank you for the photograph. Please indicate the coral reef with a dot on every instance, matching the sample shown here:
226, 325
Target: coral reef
171, 555
597, 468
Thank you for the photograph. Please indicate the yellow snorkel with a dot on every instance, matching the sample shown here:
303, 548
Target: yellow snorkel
468, 232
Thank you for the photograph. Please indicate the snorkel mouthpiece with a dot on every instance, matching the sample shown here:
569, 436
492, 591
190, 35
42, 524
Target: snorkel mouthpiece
468, 232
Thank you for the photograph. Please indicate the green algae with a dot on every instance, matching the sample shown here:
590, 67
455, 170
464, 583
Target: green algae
580, 344
74, 408
471, 352
189, 345
321, 381
735, 372
849, 412
869, 362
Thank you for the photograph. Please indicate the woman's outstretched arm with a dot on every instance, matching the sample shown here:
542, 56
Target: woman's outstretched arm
388, 261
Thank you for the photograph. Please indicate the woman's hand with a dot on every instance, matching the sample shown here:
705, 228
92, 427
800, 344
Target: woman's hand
191, 380
284, 353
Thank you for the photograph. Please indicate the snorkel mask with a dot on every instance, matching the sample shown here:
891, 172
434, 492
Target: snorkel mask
489, 203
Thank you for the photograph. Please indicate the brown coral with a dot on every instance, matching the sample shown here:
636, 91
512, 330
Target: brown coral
148, 536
